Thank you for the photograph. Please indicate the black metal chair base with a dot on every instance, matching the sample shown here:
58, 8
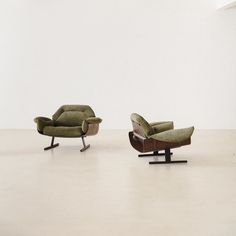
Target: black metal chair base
85, 146
156, 153
167, 155
51, 147
167, 162
57, 144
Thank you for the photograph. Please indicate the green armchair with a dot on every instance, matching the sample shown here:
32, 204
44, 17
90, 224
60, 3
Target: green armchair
154, 137
69, 121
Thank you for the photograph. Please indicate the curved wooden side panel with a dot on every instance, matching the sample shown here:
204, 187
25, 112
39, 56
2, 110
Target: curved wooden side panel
142, 144
136, 142
138, 129
92, 129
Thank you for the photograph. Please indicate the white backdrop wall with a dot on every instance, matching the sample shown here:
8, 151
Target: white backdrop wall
166, 59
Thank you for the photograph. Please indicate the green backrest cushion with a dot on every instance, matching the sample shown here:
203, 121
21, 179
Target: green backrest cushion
72, 115
143, 123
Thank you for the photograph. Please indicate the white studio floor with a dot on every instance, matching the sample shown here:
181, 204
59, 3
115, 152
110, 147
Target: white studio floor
109, 191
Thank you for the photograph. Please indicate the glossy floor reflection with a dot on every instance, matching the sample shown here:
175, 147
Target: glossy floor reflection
108, 190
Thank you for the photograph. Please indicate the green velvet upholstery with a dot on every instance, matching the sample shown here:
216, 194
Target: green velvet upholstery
42, 122
94, 120
151, 128
82, 108
62, 131
158, 127
72, 115
85, 126
68, 121
174, 136
143, 123
90, 121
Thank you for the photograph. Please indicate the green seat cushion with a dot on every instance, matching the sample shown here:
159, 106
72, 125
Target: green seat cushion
162, 126
174, 136
61, 131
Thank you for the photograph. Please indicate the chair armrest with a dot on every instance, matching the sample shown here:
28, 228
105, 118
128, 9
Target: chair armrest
90, 125
42, 122
159, 127
93, 120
